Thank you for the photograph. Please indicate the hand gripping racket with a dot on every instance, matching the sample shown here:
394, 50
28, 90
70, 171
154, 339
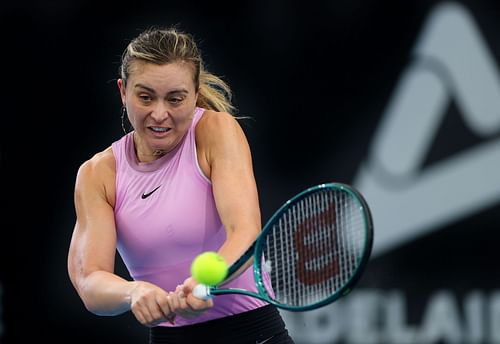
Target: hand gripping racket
311, 252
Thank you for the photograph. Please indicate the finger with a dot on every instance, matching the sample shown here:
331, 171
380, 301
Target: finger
198, 304
141, 312
179, 300
183, 303
171, 308
186, 289
164, 307
151, 310
139, 316
179, 290
174, 305
145, 317
188, 285
154, 316
185, 310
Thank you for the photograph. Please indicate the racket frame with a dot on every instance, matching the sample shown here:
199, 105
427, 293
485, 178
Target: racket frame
256, 249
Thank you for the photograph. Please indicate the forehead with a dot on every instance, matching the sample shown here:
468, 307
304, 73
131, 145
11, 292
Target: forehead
171, 75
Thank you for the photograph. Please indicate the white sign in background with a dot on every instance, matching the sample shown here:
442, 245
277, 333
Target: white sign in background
451, 61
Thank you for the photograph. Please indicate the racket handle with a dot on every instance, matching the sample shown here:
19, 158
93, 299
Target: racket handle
202, 292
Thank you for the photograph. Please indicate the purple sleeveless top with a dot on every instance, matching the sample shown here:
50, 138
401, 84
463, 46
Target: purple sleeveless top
165, 215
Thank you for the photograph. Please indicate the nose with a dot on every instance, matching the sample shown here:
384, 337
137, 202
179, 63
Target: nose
160, 113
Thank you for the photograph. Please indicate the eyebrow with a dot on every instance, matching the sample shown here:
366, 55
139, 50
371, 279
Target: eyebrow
179, 90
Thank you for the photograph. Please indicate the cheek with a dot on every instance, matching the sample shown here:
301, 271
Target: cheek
188, 117
131, 118
135, 115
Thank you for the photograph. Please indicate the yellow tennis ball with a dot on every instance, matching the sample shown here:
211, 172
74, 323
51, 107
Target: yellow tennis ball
209, 268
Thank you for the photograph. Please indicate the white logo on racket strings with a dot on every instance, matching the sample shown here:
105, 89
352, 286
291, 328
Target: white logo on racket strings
267, 267
443, 192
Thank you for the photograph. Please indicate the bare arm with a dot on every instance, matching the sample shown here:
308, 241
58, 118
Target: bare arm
229, 166
224, 157
92, 251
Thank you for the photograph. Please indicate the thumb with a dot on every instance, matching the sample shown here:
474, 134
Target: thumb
188, 285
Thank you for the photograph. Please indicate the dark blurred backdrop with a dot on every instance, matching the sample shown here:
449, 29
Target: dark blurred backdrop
399, 98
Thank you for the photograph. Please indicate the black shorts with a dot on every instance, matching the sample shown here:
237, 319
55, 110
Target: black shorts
261, 325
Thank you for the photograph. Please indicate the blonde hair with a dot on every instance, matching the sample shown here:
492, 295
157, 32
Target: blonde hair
163, 46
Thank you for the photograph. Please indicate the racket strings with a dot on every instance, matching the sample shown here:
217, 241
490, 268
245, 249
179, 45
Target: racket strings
314, 248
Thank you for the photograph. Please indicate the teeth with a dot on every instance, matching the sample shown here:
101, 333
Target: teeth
161, 130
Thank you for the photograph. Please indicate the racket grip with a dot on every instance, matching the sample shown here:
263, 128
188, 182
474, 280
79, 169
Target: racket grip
202, 292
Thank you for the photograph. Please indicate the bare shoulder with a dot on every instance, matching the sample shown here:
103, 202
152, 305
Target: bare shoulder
217, 120
215, 125
98, 172
219, 136
102, 162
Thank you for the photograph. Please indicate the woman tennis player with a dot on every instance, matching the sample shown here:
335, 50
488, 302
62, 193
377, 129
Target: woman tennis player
180, 183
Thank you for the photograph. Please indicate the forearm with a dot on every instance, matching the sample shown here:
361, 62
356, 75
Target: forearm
234, 247
105, 293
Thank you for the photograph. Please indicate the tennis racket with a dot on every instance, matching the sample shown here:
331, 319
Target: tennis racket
310, 253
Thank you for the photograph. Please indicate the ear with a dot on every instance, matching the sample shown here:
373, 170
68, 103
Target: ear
121, 86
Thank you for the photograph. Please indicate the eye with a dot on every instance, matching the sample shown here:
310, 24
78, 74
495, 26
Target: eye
145, 98
175, 100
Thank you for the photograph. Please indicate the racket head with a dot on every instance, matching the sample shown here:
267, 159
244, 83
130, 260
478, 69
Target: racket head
314, 249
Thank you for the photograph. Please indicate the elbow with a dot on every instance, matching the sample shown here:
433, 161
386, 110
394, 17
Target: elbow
99, 311
86, 298
85, 295
91, 303
98, 299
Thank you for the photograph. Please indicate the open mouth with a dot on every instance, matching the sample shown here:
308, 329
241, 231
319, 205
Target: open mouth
159, 130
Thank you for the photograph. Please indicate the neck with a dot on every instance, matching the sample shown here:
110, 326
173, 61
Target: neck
146, 157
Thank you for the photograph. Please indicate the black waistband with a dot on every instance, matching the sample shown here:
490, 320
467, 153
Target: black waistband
251, 326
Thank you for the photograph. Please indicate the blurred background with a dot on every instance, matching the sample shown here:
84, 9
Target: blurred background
398, 98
